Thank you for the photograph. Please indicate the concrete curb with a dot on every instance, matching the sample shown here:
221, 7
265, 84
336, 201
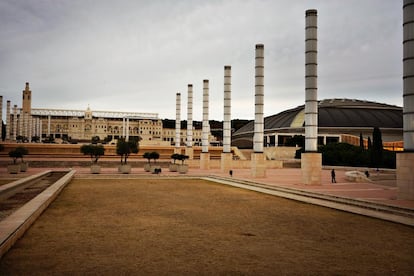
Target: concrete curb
365, 208
14, 226
11, 188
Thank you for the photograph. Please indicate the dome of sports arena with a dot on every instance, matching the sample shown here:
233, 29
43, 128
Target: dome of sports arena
339, 120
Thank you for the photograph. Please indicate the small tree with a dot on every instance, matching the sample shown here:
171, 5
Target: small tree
125, 148
155, 155
94, 151
22, 151
15, 154
147, 155
175, 157
182, 158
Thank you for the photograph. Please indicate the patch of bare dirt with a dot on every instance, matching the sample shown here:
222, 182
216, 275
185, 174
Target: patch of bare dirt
182, 227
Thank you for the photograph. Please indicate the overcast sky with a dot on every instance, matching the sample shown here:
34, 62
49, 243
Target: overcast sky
133, 55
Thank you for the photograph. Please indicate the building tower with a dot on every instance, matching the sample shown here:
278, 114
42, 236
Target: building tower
205, 155
405, 160
311, 160
226, 156
27, 99
258, 168
189, 149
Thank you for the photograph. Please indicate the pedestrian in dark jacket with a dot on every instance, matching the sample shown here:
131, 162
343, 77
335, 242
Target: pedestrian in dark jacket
333, 179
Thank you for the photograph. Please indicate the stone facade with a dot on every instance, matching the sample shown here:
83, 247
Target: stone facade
73, 125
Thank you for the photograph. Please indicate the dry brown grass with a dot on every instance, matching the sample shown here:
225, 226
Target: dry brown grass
196, 227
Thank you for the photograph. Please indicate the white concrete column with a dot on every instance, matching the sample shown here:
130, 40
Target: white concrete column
8, 120
311, 75
227, 157
189, 149
29, 127
190, 116
408, 75
23, 126
48, 125
258, 161
178, 121
405, 160
1, 117
37, 127
227, 110
123, 127
40, 129
127, 129
205, 155
206, 127
259, 100
14, 123
311, 160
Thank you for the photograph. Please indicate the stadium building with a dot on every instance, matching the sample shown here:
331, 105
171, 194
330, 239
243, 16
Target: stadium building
29, 124
339, 120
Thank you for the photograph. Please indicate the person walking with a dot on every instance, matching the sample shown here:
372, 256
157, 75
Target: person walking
333, 179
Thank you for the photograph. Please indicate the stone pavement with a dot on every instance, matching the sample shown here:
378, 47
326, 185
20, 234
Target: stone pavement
381, 191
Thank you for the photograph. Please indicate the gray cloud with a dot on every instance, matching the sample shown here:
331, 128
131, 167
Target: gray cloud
135, 55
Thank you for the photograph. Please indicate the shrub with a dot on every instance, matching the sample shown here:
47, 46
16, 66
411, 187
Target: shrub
94, 151
125, 148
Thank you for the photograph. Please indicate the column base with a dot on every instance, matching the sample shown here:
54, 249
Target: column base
226, 161
190, 153
311, 165
205, 161
405, 176
258, 165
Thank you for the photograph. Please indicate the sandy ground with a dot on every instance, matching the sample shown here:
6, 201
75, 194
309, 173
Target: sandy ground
187, 227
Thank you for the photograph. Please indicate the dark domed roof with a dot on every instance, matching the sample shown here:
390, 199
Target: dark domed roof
335, 113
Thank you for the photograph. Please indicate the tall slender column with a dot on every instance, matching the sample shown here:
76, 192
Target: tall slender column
226, 156
259, 98
177, 122
48, 125
21, 123
34, 126
40, 129
205, 155
1, 117
258, 168
204, 137
123, 127
29, 127
311, 161
405, 160
8, 120
14, 123
127, 129
37, 127
311, 85
189, 148
227, 110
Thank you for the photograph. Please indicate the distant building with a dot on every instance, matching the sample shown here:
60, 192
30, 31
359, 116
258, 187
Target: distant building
339, 120
82, 125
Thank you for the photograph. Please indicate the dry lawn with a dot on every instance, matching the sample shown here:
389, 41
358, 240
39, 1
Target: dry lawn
187, 227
